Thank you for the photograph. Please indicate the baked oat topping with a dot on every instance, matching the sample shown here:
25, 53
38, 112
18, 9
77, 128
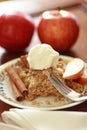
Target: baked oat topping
38, 83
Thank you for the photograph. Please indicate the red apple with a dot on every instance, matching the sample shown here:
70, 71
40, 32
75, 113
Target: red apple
60, 29
74, 69
16, 31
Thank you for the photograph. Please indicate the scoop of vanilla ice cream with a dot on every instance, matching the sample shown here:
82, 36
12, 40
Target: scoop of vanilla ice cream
42, 56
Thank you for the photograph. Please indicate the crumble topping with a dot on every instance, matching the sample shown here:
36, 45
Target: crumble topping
38, 83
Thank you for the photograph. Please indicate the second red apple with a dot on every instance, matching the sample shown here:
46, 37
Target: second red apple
60, 29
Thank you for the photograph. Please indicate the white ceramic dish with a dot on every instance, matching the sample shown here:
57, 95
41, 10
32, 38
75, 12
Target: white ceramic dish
6, 94
47, 120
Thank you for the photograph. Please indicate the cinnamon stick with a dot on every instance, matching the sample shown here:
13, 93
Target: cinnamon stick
16, 80
16, 92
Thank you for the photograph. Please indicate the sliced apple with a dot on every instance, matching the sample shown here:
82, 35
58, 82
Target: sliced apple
83, 78
74, 69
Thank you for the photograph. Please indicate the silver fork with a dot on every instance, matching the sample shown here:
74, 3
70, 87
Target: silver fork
65, 90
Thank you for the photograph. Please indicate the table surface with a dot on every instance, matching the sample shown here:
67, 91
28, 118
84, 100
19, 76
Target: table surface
78, 50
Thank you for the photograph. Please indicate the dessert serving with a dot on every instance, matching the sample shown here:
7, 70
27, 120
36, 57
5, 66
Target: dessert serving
29, 78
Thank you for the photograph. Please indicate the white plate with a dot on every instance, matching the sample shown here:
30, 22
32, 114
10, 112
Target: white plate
6, 94
47, 120
60, 120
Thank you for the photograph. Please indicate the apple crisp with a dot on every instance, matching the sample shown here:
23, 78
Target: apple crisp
37, 82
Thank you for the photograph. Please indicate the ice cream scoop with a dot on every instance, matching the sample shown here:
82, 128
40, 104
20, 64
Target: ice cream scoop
42, 56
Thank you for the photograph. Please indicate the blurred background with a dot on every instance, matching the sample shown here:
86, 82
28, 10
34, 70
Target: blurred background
35, 9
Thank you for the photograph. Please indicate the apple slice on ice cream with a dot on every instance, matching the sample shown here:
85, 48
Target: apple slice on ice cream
83, 78
74, 69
